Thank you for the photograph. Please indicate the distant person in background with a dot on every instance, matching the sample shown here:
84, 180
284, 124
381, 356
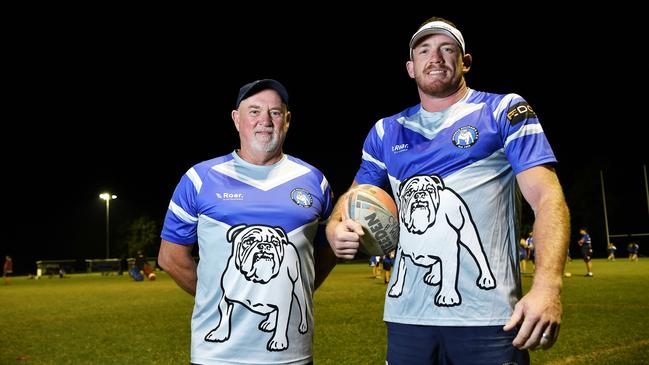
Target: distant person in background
137, 271
375, 261
140, 260
586, 251
632, 249
143, 268
388, 261
7, 270
256, 214
522, 254
531, 252
611, 251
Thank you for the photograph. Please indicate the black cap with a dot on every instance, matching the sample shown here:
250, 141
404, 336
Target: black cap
254, 87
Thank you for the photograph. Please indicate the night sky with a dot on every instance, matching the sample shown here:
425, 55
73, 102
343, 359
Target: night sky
127, 102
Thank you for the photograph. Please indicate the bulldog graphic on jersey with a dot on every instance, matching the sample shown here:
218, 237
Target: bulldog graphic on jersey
263, 275
435, 223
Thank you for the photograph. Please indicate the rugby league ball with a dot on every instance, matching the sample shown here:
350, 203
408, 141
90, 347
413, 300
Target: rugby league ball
376, 212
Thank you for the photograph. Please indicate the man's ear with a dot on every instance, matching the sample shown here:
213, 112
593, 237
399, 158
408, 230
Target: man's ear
410, 67
467, 60
288, 119
235, 118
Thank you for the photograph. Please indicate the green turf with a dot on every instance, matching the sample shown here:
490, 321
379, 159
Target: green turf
92, 319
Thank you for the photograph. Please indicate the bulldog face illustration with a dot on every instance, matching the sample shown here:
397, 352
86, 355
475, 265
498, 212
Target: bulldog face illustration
259, 252
437, 222
263, 275
419, 198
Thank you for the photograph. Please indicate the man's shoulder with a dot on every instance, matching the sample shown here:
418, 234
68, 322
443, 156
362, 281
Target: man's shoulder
396, 121
214, 161
305, 164
406, 113
202, 167
494, 100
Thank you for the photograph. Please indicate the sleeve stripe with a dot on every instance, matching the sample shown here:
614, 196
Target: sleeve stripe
196, 180
504, 103
369, 158
379, 128
180, 213
324, 184
525, 131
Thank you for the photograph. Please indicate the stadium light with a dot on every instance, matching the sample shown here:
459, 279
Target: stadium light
107, 197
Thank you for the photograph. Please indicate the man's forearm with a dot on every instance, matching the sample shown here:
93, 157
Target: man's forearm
177, 261
551, 236
185, 276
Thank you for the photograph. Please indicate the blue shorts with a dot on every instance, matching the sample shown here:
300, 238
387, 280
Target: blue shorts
435, 345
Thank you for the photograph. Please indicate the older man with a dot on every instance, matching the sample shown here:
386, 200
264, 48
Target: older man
255, 214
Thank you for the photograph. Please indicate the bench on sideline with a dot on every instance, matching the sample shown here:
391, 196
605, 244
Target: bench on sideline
103, 266
54, 267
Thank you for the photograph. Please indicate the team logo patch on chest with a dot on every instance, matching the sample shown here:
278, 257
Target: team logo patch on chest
465, 137
301, 197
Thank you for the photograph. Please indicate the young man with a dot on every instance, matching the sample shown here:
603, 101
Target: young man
633, 249
455, 293
611, 251
7, 269
255, 214
586, 251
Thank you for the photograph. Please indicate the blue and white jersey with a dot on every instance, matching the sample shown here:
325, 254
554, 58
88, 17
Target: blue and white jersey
255, 227
452, 174
530, 243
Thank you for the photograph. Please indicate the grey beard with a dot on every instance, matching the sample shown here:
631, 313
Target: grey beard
269, 146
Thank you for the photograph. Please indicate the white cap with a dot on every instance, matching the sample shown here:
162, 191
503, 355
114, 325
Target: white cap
437, 27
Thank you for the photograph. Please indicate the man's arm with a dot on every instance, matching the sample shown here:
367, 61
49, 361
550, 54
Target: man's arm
540, 311
343, 236
177, 261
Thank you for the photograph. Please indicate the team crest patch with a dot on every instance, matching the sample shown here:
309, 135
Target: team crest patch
465, 137
301, 197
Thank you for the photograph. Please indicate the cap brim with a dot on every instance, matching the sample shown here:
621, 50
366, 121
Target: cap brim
438, 27
260, 85
426, 32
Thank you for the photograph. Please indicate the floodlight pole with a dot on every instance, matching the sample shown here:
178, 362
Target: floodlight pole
646, 186
107, 197
601, 179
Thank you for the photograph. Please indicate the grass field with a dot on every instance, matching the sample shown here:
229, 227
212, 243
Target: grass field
92, 319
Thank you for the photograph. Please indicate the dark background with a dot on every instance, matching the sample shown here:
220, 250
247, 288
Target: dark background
126, 100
